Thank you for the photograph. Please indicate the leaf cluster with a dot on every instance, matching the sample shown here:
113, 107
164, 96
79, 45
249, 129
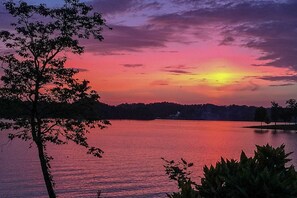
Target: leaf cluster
264, 175
180, 172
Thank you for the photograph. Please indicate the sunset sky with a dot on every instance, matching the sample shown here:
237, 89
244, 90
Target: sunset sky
191, 51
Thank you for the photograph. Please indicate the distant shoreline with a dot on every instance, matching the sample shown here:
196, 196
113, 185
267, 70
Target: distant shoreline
276, 127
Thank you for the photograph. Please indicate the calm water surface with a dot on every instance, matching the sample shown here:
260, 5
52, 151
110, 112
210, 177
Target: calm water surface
132, 165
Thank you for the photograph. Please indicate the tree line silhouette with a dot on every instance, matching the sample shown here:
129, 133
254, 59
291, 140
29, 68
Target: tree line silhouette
136, 111
277, 113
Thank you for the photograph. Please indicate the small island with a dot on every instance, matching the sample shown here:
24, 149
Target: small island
277, 117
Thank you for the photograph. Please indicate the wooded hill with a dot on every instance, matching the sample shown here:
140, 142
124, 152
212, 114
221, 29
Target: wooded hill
136, 111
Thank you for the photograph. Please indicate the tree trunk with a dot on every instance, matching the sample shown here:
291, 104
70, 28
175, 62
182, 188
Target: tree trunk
45, 172
36, 134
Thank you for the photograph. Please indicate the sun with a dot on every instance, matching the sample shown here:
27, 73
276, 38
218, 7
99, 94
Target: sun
221, 73
221, 78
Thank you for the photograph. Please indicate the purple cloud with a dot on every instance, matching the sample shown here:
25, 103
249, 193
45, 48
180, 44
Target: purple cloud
111, 7
184, 67
289, 78
227, 40
130, 38
178, 71
132, 65
282, 85
268, 26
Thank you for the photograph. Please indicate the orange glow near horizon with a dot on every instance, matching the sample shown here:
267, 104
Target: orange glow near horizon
221, 75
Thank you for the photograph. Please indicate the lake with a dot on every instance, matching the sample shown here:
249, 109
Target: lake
131, 165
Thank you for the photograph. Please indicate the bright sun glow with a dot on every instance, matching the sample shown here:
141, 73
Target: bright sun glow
221, 73
221, 78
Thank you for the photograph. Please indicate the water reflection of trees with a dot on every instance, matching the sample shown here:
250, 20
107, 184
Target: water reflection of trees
274, 131
261, 131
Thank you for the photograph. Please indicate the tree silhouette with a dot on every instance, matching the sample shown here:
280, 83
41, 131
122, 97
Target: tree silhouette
286, 115
292, 106
34, 73
275, 112
260, 114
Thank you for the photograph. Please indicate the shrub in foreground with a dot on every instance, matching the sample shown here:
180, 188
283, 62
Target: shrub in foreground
264, 175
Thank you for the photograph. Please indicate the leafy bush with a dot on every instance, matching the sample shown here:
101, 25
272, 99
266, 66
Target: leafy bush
264, 175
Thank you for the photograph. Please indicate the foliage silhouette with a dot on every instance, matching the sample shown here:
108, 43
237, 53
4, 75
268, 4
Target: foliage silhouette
292, 106
35, 75
275, 112
140, 111
264, 175
261, 114
286, 114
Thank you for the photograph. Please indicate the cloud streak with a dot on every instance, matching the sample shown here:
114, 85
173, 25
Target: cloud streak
132, 65
178, 69
282, 85
289, 78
